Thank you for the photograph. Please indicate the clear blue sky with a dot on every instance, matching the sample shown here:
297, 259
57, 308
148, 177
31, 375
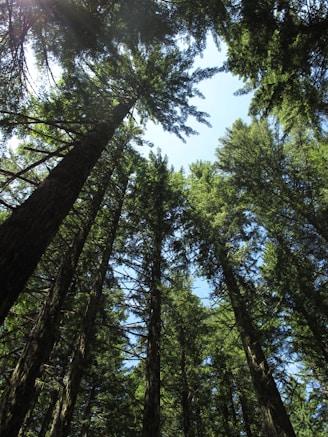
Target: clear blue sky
223, 107
220, 103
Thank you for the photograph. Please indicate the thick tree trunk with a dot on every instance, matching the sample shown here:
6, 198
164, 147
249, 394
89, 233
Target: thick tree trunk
17, 398
275, 418
65, 408
29, 415
25, 235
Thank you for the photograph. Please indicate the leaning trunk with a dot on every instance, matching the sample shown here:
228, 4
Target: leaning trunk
17, 398
25, 235
65, 408
275, 418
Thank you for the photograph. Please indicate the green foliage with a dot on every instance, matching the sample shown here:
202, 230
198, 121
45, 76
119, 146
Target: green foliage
63, 32
280, 50
282, 179
261, 208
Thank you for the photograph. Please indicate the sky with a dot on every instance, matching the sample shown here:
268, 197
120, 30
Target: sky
220, 103
223, 107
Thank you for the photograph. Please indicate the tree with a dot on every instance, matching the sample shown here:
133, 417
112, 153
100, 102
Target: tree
216, 221
234, 406
64, 412
184, 349
281, 179
24, 237
288, 173
67, 32
162, 81
150, 228
17, 397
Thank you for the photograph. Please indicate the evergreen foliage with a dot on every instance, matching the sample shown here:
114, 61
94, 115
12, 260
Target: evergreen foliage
101, 248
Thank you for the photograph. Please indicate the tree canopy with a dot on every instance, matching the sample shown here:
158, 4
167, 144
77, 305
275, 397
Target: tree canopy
102, 248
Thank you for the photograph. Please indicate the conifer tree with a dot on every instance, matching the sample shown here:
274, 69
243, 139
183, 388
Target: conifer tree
159, 81
216, 222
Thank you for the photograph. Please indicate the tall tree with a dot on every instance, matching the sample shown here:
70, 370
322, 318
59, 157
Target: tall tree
62, 420
217, 242
16, 399
160, 81
150, 227
64, 32
184, 350
290, 174
281, 180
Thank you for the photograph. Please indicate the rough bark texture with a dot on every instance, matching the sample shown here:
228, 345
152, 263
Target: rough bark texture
17, 398
275, 418
25, 235
65, 408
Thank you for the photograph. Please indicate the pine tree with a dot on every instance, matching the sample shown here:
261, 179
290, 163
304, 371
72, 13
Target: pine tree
64, 412
16, 399
160, 81
216, 222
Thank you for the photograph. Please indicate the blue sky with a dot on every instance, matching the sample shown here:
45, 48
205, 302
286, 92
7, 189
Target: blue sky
220, 103
223, 107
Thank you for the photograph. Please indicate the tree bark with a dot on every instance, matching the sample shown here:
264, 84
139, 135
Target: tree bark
65, 408
186, 407
275, 418
86, 423
17, 397
246, 418
151, 415
25, 235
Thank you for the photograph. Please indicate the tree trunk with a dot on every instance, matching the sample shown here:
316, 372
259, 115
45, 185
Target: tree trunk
86, 423
25, 235
275, 418
246, 418
186, 407
227, 408
151, 414
65, 408
29, 415
17, 398
48, 415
